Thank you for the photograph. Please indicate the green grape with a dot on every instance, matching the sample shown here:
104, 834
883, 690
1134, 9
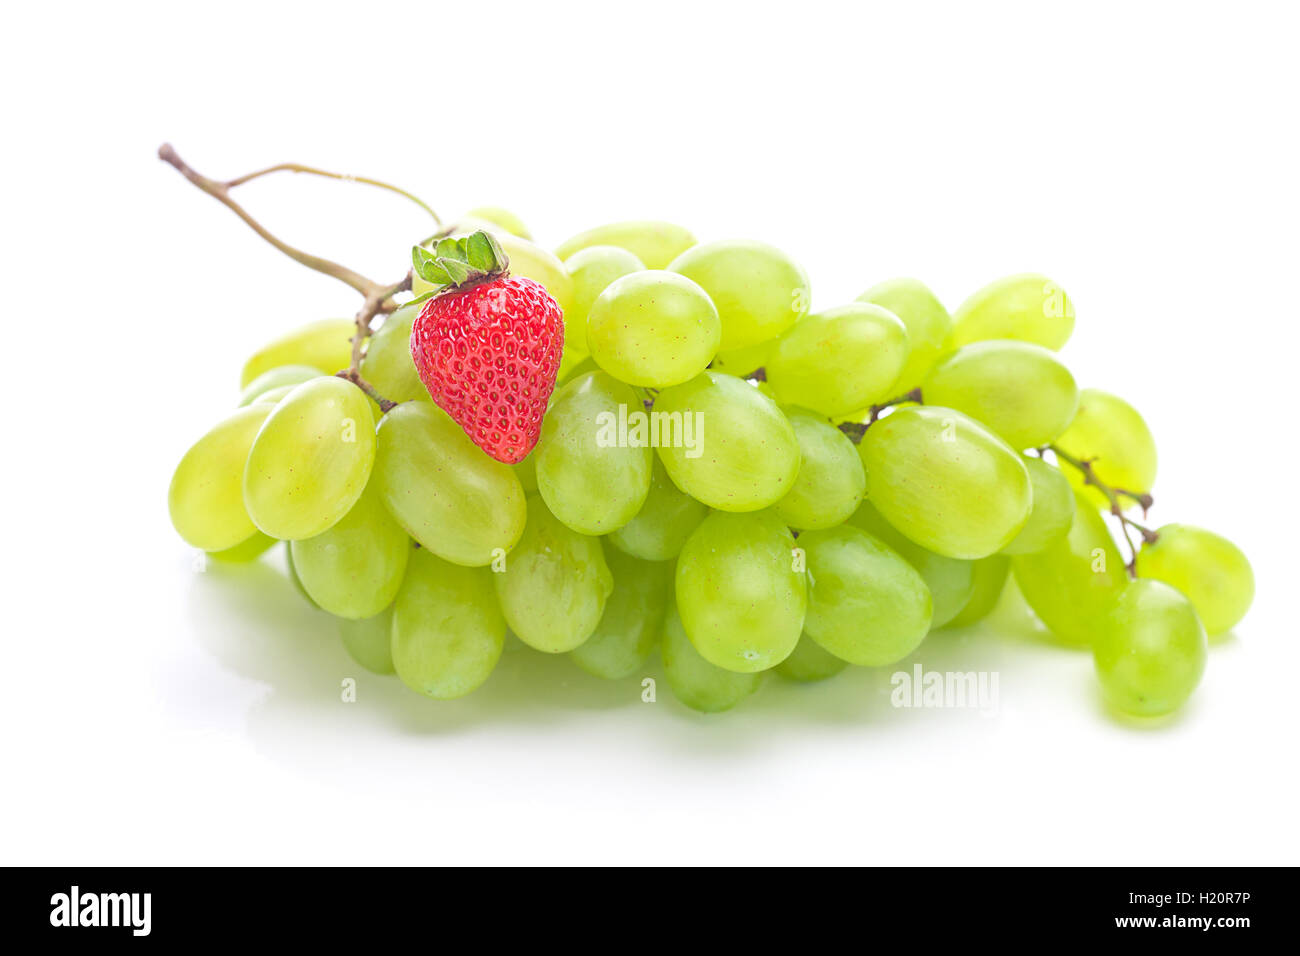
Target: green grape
945, 481
448, 632
663, 524
369, 641
633, 618
206, 497
250, 549
1210, 570
526, 471
989, 576
1052, 512
655, 243
809, 662
272, 396
1150, 650
830, 483
500, 217
592, 270
1019, 391
387, 364
325, 346
740, 592
311, 460
443, 489
838, 360
293, 576
592, 478
653, 329
693, 680
1030, 308
572, 364
526, 259
276, 379
1072, 583
740, 362
354, 569
867, 605
556, 583
927, 322
1110, 431
951, 580
738, 451
759, 290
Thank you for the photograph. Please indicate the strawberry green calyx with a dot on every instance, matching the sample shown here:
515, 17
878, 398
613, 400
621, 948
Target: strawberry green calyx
461, 262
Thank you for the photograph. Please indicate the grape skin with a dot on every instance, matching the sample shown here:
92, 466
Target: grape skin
206, 495
387, 363
325, 346
1052, 510
809, 662
654, 243
1110, 433
592, 270
1027, 307
927, 323
630, 627
658, 531
1208, 569
276, 379
369, 641
694, 681
830, 483
989, 577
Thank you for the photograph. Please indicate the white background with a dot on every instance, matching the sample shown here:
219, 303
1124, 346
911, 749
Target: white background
1144, 156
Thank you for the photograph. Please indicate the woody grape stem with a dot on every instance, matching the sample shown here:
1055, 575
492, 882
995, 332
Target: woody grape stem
1113, 495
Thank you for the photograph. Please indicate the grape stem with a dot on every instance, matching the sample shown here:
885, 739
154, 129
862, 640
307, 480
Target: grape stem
855, 430
1113, 495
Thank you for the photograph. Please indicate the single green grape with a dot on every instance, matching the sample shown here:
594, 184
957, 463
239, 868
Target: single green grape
945, 481
592, 478
206, 496
500, 217
354, 569
311, 459
830, 483
927, 322
1150, 650
1052, 511
250, 549
1109, 431
655, 243
1072, 583
759, 290
457, 502
693, 680
1208, 569
572, 364
272, 396
740, 591
663, 524
737, 450
369, 641
1019, 391
867, 605
989, 576
629, 629
555, 584
526, 259
653, 328
387, 364
1029, 307
741, 362
325, 346
526, 471
835, 361
448, 632
592, 270
293, 577
810, 662
280, 377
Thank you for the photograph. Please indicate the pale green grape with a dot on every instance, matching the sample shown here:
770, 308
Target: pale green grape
556, 583
593, 478
354, 569
740, 591
663, 524
927, 322
592, 270
835, 361
693, 680
1109, 430
655, 243
633, 618
810, 662
574, 363
1210, 570
325, 346
1052, 512
830, 483
1150, 650
272, 396
526, 259
276, 379
866, 605
447, 629
945, 481
501, 217
989, 576
387, 364
1030, 308
759, 290
369, 641
293, 576
457, 502
526, 471
731, 448
311, 459
951, 580
653, 329
740, 362
206, 497
250, 549
1072, 583
1019, 391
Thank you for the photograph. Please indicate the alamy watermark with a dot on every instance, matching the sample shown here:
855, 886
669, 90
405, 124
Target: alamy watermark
972, 690
651, 429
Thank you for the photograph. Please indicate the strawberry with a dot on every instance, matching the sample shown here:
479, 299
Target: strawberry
487, 344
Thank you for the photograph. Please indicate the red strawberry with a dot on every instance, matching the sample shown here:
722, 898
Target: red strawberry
487, 345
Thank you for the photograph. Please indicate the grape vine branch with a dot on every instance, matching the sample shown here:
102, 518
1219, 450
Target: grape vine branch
1113, 495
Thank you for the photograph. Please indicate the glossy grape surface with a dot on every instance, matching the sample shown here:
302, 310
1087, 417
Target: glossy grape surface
927, 322
1207, 568
1110, 430
653, 328
1028, 307
830, 483
633, 619
655, 243
669, 515
206, 496
325, 346
693, 680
